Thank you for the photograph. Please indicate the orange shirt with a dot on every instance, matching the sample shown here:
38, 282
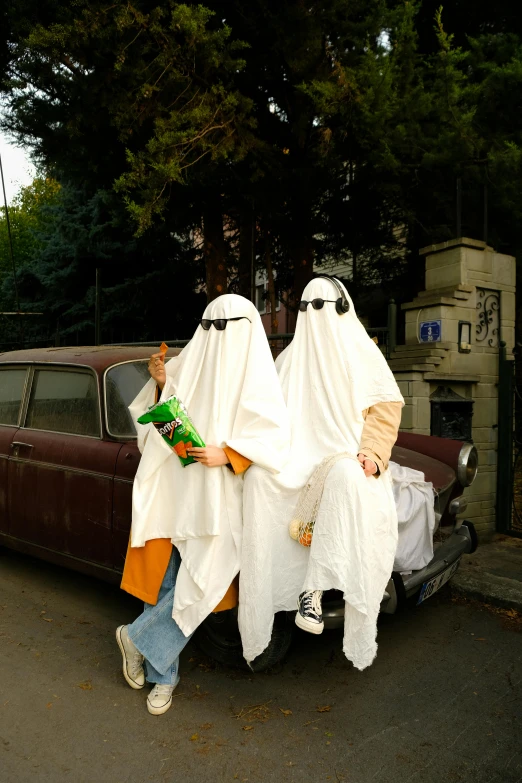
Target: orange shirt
145, 566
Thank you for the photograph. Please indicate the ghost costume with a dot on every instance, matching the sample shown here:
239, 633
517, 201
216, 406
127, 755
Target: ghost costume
331, 373
228, 382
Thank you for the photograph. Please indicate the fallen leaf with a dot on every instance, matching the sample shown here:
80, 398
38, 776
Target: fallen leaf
50, 704
86, 686
286, 713
328, 742
206, 726
326, 708
194, 737
47, 619
247, 728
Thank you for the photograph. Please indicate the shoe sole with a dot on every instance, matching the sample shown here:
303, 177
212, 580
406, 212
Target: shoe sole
159, 710
306, 625
132, 683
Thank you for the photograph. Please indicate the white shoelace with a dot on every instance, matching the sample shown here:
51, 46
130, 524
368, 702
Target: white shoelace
160, 690
312, 601
136, 663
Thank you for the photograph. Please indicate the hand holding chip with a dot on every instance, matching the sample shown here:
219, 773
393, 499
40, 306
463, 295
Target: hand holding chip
211, 456
157, 366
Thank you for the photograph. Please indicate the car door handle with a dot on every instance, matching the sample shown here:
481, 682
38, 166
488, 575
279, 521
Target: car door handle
17, 443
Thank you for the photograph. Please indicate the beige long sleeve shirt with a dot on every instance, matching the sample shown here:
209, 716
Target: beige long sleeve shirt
381, 427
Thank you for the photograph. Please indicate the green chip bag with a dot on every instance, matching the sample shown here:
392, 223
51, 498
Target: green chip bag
175, 427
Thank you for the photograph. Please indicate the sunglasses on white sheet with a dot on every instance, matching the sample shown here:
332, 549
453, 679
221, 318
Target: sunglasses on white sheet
220, 323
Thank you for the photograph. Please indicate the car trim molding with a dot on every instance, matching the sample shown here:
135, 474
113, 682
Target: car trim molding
62, 468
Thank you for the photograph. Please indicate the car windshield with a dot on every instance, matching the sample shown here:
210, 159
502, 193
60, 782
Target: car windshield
122, 384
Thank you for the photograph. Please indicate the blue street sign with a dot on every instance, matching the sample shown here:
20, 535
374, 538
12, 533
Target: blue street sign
430, 331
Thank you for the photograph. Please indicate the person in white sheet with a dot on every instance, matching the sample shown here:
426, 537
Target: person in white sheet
344, 407
187, 522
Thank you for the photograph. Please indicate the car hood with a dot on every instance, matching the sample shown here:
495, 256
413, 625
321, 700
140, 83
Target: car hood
439, 474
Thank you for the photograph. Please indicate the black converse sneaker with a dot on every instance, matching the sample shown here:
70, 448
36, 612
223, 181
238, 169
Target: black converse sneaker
309, 615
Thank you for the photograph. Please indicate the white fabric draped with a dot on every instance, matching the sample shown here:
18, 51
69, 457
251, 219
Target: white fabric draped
229, 384
416, 516
330, 373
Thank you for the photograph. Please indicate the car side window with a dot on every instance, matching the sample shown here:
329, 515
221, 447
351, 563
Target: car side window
12, 381
64, 401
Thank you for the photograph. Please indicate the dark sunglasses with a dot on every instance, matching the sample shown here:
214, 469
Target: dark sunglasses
220, 323
317, 304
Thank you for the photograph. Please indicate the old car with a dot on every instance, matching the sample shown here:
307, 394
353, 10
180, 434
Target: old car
68, 456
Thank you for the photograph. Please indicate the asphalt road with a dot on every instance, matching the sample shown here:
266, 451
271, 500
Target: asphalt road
441, 703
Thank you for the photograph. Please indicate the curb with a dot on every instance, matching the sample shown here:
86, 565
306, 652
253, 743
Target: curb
506, 596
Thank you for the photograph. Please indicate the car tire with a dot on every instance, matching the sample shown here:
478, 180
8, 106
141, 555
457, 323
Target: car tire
218, 637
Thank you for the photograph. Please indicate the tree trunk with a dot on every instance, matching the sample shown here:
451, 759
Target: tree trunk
274, 325
246, 251
303, 258
302, 252
518, 350
214, 249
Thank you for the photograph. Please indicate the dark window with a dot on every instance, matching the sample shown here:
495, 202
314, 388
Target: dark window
122, 384
64, 401
260, 298
11, 390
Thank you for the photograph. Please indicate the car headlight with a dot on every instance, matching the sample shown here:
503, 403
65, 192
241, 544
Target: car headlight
467, 464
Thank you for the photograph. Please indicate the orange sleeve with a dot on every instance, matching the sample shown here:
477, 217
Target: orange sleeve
145, 567
238, 463
230, 599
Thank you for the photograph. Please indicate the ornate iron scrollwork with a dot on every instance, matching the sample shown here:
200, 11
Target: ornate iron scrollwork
488, 317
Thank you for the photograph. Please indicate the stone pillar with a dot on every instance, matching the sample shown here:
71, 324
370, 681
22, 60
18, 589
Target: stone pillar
466, 281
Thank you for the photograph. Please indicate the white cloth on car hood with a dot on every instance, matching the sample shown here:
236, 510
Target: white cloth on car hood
416, 516
229, 384
330, 373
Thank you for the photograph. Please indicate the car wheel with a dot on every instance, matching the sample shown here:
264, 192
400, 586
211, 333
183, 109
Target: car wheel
218, 637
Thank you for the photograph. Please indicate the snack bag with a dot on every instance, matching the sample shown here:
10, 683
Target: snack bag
175, 426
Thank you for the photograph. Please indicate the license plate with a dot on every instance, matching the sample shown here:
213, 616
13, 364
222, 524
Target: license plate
431, 587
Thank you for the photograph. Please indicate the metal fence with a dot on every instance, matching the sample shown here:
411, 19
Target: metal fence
509, 450
385, 337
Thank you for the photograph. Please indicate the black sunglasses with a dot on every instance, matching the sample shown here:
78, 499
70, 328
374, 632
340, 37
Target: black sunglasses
220, 323
317, 304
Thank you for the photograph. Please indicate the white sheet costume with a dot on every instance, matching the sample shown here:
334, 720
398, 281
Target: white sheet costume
416, 517
331, 372
229, 384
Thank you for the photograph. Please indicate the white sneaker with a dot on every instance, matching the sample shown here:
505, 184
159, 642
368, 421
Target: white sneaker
309, 615
132, 659
159, 699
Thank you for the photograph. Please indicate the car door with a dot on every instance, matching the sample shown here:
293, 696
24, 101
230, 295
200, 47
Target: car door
60, 474
12, 384
123, 381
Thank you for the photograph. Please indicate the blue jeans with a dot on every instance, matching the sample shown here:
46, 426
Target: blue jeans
156, 635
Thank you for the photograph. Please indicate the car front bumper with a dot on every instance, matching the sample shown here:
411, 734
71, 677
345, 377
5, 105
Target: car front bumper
462, 541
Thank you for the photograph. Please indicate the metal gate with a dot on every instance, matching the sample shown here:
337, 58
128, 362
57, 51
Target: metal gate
509, 454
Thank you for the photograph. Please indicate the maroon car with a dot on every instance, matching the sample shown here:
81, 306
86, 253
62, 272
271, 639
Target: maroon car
68, 457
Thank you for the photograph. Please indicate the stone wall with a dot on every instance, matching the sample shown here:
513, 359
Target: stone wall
466, 280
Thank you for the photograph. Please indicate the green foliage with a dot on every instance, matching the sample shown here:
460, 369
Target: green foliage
346, 124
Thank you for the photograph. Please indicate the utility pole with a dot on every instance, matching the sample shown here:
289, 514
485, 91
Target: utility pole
97, 308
